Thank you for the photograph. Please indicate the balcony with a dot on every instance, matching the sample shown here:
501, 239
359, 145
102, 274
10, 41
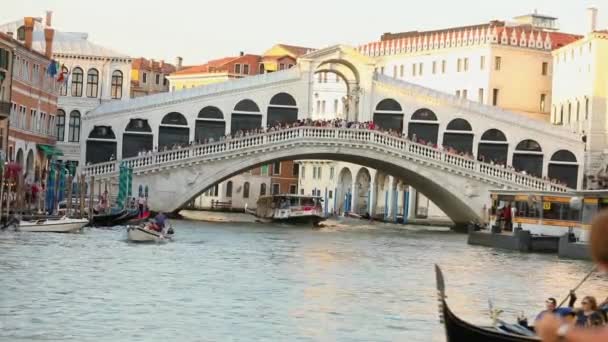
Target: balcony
5, 110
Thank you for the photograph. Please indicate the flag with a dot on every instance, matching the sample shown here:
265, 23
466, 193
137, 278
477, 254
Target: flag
52, 69
62, 75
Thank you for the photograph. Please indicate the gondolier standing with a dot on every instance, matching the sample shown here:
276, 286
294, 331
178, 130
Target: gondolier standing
550, 328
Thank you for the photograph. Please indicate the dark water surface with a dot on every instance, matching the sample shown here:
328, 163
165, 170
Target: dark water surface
237, 282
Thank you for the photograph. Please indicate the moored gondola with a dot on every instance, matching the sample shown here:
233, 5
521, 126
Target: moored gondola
457, 330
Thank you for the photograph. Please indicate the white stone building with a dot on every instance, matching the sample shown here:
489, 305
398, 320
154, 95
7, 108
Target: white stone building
93, 75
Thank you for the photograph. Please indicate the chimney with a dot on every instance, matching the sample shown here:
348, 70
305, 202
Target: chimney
592, 17
29, 31
49, 19
178, 63
242, 54
49, 33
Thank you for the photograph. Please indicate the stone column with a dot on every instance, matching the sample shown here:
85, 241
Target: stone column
354, 197
371, 208
411, 210
395, 200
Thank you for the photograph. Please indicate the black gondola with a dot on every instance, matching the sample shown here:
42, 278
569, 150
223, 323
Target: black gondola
106, 220
126, 217
457, 330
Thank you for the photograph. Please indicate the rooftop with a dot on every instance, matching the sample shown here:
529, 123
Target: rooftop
216, 65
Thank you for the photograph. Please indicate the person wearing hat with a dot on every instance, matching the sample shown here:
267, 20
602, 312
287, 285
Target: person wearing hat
552, 328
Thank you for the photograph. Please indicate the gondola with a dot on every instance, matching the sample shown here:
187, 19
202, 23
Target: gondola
106, 220
457, 330
125, 217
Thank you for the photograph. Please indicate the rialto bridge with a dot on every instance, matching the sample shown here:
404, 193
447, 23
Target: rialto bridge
458, 185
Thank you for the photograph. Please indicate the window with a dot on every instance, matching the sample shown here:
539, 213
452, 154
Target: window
74, 132
262, 189
578, 110
319, 173
303, 172
401, 70
92, 82
296, 169
336, 106
420, 69
543, 99
237, 68
331, 172
290, 66
330, 194
276, 168
293, 189
116, 90
246, 190
495, 97
482, 62
32, 124
229, 189
4, 59
394, 71
314, 172
323, 107
434, 67
464, 94
276, 188
414, 69
281, 66
77, 76
458, 65
21, 33
165, 81
466, 64
545, 68
382, 70
480, 95
443, 67
458, 93
561, 115
497, 62
157, 79
144, 77
246, 69
569, 112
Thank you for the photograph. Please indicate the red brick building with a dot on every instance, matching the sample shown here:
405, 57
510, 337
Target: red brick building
7, 52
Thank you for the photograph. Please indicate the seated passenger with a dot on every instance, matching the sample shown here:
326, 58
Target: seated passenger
160, 220
550, 306
589, 315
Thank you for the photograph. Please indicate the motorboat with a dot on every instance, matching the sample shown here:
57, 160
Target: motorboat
62, 225
458, 330
290, 208
145, 233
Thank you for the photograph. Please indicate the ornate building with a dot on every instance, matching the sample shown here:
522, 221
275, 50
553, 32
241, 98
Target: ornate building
7, 51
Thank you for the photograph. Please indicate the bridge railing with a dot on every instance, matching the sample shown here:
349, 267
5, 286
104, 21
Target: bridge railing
324, 134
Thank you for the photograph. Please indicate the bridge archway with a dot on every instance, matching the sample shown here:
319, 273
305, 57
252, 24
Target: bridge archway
282, 109
528, 157
173, 130
563, 166
423, 126
19, 158
246, 116
210, 124
29, 165
362, 191
347, 71
138, 137
459, 136
344, 194
101, 145
493, 147
389, 115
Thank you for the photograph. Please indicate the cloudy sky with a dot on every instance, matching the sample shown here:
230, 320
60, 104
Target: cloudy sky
200, 30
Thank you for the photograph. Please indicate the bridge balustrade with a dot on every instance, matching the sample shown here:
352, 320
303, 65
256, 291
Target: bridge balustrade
328, 135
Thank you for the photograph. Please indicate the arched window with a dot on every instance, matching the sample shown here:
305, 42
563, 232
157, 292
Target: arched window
101, 145
229, 189
423, 126
60, 125
173, 130
21, 33
116, 90
209, 125
246, 190
586, 108
137, 138
282, 110
246, 116
74, 132
563, 167
528, 157
64, 86
263, 189
92, 82
493, 147
459, 136
389, 115
77, 76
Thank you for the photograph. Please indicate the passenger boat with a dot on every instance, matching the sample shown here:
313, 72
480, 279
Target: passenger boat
550, 213
290, 209
62, 225
457, 330
144, 233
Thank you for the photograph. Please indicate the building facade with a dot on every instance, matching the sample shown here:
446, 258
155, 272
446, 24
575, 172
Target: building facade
91, 75
149, 77
34, 94
580, 90
7, 53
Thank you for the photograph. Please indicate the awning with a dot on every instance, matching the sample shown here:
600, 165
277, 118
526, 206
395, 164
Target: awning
49, 150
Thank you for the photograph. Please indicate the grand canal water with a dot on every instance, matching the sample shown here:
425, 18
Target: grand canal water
231, 282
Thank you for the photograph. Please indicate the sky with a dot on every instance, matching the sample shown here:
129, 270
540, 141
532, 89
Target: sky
199, 30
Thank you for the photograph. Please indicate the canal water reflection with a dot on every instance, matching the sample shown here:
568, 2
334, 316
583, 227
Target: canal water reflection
251, 282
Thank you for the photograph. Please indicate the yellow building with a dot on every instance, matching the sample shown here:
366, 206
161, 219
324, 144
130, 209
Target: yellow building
580, 90
149, 76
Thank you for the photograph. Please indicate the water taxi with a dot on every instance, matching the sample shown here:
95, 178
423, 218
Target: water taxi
290, 209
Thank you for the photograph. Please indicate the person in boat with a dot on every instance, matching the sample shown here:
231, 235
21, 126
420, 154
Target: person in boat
159, 222
141, 201
552, 328
550, 307
589, 315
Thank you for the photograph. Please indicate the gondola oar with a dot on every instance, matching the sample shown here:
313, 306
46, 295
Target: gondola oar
577, 286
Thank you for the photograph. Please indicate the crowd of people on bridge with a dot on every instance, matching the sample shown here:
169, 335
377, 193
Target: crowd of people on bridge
344, 124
